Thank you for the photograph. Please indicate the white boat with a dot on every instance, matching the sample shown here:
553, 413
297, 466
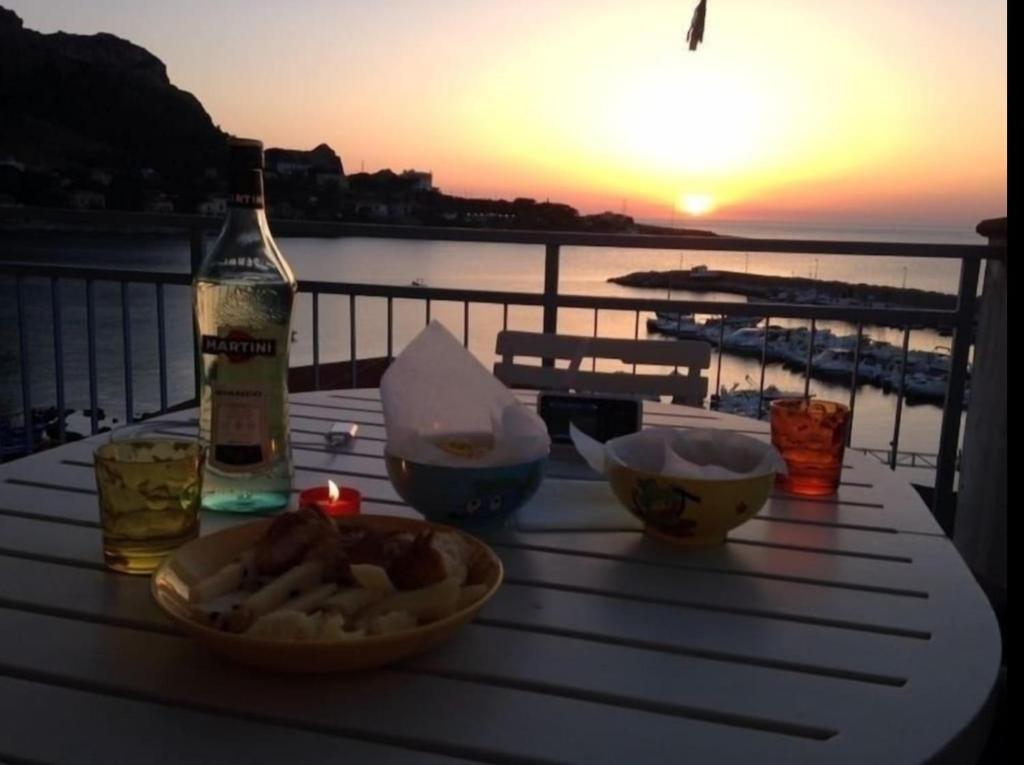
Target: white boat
844, 342
935, 362
872, 370
917, 383
925, 386
795, 351
745, 402
745, 341
670, 315
880, 351
684, 326
730, 323
833, 363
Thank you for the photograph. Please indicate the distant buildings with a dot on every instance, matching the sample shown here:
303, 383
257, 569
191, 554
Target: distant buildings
371, 209
161, 203
216, 205
86, 199
320, 162
300, 185
331, 179
12, 163
101, 177
418, 180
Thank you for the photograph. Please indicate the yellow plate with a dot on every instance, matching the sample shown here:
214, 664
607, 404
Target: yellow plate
202, 557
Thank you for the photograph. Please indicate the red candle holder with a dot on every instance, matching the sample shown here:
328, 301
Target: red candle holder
331, 499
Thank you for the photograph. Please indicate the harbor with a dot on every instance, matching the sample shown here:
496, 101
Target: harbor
771, 288
820, 352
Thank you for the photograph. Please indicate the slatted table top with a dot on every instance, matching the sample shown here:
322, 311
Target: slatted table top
844, 629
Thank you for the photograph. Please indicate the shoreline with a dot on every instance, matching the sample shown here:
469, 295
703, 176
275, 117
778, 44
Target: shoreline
787, 289
284, 228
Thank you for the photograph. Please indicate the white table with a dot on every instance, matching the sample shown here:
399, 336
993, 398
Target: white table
844, 629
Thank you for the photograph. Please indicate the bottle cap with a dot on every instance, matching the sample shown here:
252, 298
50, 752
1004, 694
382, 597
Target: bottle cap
245, 154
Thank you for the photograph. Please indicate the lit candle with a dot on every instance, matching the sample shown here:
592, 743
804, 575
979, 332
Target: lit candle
331, 499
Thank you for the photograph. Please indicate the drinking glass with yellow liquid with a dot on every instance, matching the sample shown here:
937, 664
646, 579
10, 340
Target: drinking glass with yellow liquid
150, 487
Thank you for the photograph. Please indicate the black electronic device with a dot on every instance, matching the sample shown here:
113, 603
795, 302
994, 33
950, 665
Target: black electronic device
599, 416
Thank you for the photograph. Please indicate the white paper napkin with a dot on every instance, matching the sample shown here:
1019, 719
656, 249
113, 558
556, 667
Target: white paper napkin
695, 453
435, 388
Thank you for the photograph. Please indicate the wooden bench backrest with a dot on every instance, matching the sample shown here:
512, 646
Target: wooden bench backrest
689, 356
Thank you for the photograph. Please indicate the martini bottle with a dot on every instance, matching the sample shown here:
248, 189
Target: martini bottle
243, 294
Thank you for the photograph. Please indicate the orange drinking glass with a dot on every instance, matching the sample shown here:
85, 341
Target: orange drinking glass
811, 436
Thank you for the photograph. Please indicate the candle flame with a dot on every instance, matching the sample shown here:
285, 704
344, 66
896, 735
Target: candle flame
332, 491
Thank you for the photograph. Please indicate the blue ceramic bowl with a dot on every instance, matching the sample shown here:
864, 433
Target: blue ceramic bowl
465, 495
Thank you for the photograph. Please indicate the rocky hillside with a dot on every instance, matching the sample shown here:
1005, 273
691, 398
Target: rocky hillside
97, 101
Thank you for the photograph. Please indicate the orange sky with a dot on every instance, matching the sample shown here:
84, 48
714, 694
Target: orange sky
792, 108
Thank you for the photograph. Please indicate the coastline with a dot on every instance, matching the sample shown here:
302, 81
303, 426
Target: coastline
95, 225
787, 289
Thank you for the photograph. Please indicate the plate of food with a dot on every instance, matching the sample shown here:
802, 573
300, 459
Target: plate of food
303, 592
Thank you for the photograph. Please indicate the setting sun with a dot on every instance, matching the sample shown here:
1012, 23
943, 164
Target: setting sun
895, 111
696, 204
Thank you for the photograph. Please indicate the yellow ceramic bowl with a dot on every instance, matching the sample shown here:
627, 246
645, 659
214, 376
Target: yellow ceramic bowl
201, 557
688, 511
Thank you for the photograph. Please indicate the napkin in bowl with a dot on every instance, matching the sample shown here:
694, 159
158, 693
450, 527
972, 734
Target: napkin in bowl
710, 455
443, 407
690, 487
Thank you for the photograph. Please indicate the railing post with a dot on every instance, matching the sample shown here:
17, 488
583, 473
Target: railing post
90, 343
58, 353
126, 353
943, 502
900, 390
980, 530
853, 382
810, 358
26, 365
551, 258
352, 339
197, 252
316, 340
391, 328
161, 347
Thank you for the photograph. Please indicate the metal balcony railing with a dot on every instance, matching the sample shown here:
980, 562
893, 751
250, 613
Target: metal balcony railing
550, 300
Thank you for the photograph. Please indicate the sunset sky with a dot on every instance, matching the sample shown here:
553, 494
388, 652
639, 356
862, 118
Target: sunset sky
813, 109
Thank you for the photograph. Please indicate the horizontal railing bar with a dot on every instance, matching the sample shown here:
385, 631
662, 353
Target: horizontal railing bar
853, 314
98, 219
421, 293
115, 219
96, 273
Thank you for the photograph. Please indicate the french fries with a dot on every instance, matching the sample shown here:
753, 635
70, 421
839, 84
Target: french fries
271, 596
350, 600
372, 577
225, 580
310, 600
285, 625
392, 621
334, 628
427, 604
327, 596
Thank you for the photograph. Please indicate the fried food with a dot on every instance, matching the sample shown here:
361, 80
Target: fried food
309, 579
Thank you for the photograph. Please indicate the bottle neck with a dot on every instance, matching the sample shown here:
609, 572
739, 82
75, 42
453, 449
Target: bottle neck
246, 189
242, 218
